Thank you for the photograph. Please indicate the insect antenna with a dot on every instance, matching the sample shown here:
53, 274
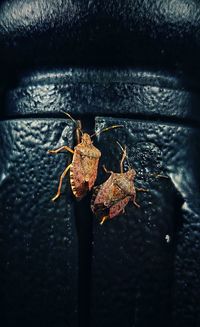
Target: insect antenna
78, 126
106, 129
124, 156
68, 115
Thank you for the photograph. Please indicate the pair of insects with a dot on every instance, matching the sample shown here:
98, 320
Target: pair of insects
114, 194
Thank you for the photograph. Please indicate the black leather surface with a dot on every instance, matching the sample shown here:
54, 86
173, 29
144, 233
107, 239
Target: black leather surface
139, 276
105, 62
39, 274
148, 94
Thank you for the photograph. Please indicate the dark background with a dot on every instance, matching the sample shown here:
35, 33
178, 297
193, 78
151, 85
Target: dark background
134, 63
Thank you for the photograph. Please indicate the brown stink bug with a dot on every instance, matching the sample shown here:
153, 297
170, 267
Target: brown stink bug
111, 197
84, 165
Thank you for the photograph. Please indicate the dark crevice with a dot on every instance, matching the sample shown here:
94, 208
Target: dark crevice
84, 217
88, 119
175, 226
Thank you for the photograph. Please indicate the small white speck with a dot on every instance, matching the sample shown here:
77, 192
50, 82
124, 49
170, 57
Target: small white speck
167, 238
3, 176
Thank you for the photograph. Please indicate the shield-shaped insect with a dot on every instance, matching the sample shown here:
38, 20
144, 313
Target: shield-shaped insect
111, 197
84, 165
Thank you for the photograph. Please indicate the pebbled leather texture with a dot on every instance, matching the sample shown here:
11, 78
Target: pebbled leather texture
134, 63
137, 270
135, 274
39, 243
89, 92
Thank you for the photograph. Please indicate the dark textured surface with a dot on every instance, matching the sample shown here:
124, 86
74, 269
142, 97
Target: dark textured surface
93, 31
139, 278
110, 92
122, 59
136, 275
39, 272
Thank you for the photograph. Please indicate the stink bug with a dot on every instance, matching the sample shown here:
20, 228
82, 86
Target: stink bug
84, 165
114, 194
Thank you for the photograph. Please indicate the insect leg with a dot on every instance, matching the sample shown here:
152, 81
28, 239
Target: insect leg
141, 189
134, 201
60, 182
107, 171
103, 219
161, 176
79, 132
122, 160
158, 176
64, 147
